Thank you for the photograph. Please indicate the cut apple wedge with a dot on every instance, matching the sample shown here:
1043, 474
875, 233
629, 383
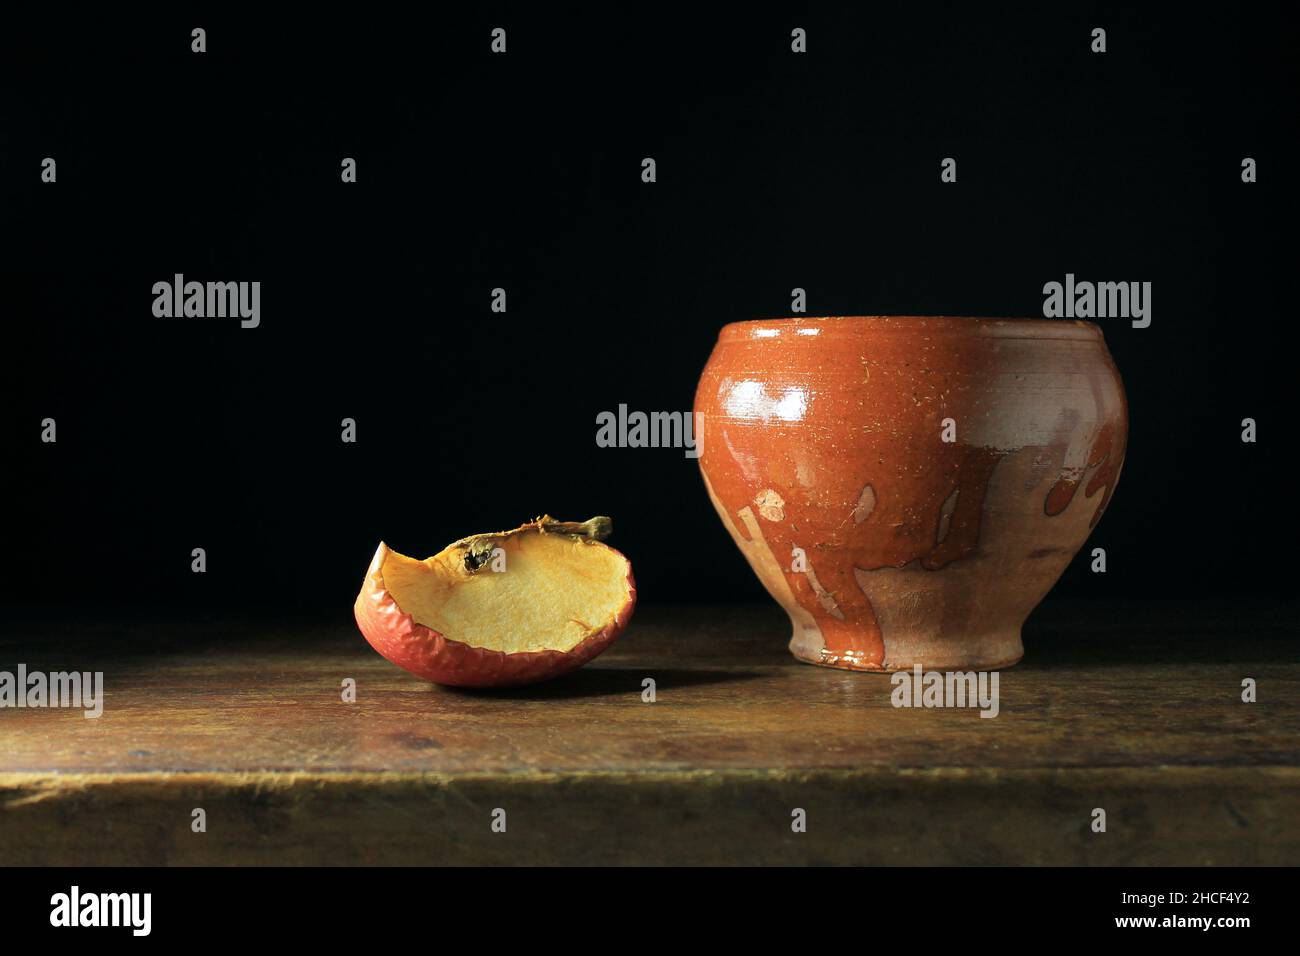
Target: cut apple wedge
500, 610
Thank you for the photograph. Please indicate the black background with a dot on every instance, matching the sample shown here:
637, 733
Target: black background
775, 170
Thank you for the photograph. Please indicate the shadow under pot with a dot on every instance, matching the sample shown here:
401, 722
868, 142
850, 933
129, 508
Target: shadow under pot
909, 488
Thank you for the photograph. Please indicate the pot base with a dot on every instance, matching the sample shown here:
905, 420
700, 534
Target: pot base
988, 653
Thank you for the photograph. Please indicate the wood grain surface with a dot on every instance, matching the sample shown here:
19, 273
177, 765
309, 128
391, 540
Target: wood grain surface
1135, 709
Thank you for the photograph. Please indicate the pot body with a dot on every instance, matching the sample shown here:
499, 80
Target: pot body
909, 488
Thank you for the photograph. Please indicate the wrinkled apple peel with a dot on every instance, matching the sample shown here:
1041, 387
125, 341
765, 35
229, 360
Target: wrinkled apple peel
562, 597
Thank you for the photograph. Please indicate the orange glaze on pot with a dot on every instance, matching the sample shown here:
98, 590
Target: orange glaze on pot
1106, 458
826, 435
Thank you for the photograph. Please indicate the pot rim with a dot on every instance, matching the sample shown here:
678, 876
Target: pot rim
999, 327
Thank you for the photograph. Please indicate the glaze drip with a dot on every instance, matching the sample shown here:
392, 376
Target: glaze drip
1107, 458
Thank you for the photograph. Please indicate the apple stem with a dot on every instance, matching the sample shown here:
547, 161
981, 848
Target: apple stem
597, 529
479, 548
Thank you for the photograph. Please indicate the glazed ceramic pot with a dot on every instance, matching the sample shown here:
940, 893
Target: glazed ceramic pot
909, 488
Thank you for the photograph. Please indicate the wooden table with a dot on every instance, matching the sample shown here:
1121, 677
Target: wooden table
1135, 709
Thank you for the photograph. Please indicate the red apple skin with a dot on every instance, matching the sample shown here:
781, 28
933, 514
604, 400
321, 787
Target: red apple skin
430, 655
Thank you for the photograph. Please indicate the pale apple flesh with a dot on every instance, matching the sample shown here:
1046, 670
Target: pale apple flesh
502, 609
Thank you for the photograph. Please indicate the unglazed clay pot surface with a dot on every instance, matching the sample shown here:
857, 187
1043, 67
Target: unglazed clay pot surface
909, 487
